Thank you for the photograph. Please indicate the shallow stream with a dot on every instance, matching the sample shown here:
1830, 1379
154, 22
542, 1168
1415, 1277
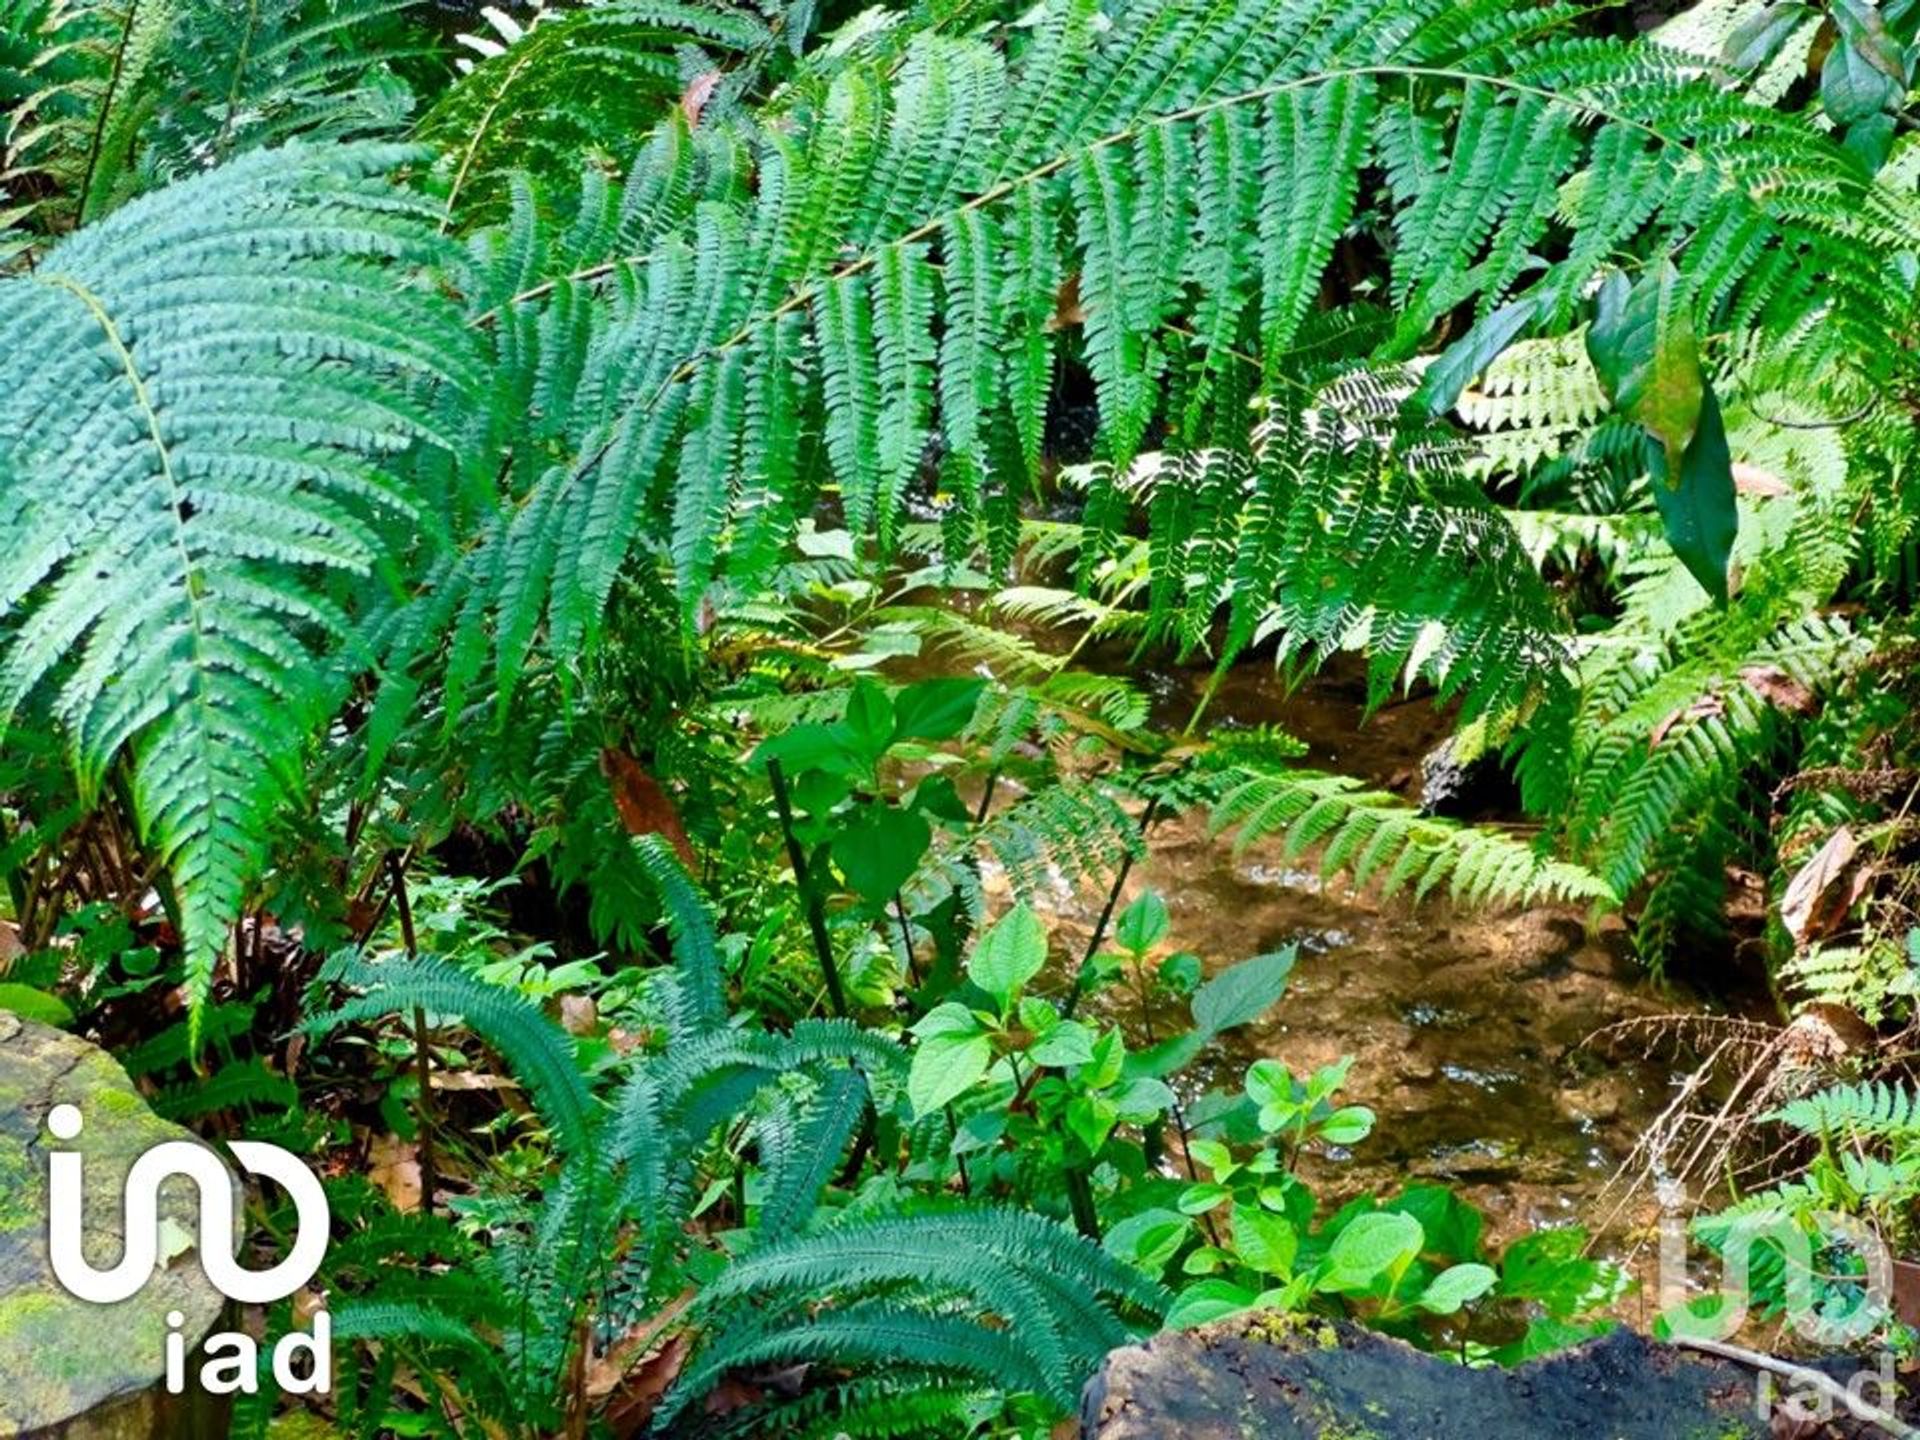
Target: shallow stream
1470, 1031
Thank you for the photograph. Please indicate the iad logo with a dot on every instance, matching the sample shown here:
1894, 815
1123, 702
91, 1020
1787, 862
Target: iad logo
232, 1358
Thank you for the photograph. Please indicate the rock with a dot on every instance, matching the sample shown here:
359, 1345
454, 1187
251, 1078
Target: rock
70, 1369
1273, 1378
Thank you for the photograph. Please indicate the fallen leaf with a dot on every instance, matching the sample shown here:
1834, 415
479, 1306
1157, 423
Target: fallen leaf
471, 1080
306, 1305
1705, 708
645, 808
698, 92
579, 1015
175, 1240
1815, 899
631, 1391
1067, 309
1752, 480
1778, 688
394, 1166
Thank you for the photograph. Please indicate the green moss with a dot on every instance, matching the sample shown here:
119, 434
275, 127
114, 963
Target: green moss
17, 1312
19, 1183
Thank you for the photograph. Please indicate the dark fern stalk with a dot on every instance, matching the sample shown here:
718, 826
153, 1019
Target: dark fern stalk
810, 900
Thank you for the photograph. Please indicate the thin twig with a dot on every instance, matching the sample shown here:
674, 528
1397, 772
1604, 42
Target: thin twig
1805, 1378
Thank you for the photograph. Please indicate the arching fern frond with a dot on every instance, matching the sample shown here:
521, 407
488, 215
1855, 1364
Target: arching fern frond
577, 87
197, 398
1377, 840
536, 1049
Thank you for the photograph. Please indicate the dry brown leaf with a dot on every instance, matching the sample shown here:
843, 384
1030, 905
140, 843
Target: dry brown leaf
393, 1164
632, 1391
1816, 897
579, 1015
1067, 309
1752, 480
471, 1080
698, 92
1705, 708
1778, 688
645, 808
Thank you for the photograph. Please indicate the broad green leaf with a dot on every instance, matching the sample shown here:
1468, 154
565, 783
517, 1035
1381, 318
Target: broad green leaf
936, 796
1148, 1240
1347, 1126
1758, 39
811, 747
1206, 1301
945, 1066
869, 718
1327, 1079
1456, 1286
33, 1004
950, 1018
935, 709
1180, 972
1453, 370
1370, 1246
1198, 1199
1242, 993
1069, 1043
1265, 1240
1090, 1120
1142, 924
1176, 1052
1700, 515
879, 848
1643, 348
1143, 1097
1214, 1156
1269, 1082
1009, 954
1852, 87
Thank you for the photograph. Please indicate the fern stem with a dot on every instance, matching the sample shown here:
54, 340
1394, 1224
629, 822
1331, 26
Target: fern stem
422, 1060
98, 139
809, 893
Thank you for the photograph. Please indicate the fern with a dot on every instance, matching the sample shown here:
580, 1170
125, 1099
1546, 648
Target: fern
116, 96
1076, 175
1375, 839
1870, 1110
539, 1051
194, 478
573, 85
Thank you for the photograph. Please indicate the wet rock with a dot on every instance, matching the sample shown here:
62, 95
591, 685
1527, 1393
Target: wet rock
1270, 1378
71, 1370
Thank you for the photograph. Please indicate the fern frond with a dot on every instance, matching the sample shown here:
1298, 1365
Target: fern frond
199, 395
1870, 1109
1377, 840
536, 1049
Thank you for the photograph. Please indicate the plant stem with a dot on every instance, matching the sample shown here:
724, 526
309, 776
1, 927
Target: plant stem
1147, 817
906, 939
809, 894
422, 1059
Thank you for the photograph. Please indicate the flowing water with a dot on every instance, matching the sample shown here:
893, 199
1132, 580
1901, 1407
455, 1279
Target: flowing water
1470, 1032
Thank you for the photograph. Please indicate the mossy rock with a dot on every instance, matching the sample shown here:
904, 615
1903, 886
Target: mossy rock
1256, 1380
70, 1369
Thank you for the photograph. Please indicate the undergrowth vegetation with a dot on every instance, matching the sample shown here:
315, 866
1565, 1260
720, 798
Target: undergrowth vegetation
579, 582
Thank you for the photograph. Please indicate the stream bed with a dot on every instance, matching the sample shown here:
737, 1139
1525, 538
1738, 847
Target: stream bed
1472, 1032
